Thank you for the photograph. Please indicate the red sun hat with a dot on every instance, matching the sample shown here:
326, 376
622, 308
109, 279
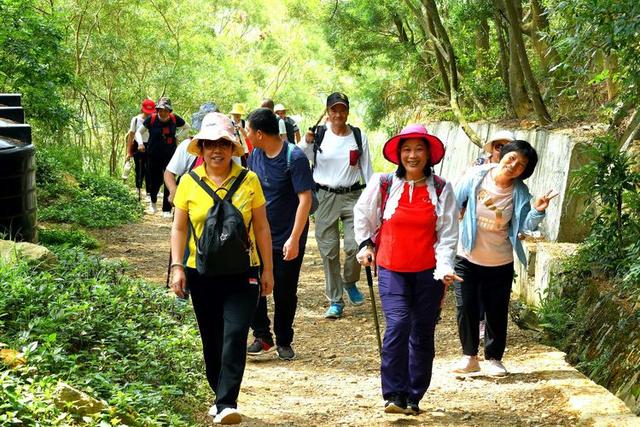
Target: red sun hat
148, 106
436, 147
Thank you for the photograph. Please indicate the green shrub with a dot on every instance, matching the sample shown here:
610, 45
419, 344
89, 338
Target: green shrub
96, 201
70, 238
116, 338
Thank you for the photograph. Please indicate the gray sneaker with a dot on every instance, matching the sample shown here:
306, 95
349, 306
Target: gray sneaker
285, 352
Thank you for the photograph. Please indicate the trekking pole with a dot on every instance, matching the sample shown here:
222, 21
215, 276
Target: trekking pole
373, 308
169, 269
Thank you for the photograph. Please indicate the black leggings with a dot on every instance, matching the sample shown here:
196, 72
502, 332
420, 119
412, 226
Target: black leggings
490, 286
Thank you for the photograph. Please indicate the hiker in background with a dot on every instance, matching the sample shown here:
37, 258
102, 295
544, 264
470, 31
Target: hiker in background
162, 127
182, 161
293, 132
223, 303
287, 183
282, 127
498, 207
407, 224
342, 166
240, 126
137, 144
493, 146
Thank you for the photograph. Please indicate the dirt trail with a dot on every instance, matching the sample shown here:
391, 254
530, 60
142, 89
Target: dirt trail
334, 379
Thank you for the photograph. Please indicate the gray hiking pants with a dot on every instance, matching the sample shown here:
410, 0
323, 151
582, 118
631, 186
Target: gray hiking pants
333, 208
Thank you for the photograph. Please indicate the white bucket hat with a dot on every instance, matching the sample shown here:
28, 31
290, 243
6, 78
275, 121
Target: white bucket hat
279, 107
502, 135
215, 126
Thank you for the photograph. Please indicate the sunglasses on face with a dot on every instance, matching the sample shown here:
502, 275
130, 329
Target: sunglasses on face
221, 143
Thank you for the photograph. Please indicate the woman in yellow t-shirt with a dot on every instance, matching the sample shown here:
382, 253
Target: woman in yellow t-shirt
223, 304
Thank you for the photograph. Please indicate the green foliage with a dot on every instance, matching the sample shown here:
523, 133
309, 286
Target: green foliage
610, 181
113, 337
73, 197
34, 61
69, 238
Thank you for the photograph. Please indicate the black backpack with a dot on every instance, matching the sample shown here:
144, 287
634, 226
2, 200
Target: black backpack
291, 132
224, 247
318, 136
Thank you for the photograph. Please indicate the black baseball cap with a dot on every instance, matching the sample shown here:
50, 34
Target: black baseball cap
337, 98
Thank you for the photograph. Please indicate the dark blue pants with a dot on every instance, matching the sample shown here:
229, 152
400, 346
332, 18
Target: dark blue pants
489, 287
285, 300
224, 307
410, 303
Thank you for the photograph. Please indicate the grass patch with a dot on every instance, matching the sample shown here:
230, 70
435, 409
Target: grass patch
81, 198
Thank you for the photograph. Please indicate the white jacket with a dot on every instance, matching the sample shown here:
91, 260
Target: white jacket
367, 218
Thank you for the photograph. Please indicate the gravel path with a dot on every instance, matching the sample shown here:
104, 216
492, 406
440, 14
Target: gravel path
335, 380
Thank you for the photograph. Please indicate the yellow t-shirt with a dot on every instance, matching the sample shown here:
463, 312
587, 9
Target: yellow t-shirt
191, 198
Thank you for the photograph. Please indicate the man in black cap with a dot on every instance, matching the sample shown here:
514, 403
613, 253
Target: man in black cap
342, 167
161, 126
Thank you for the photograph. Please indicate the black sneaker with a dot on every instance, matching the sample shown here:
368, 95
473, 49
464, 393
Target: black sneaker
285, 352
260, 346
396, 404
412, 408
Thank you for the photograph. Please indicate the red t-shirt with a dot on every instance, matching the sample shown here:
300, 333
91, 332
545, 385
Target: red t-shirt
407, 239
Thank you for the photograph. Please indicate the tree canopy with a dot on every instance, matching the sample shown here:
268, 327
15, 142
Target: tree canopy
85, 66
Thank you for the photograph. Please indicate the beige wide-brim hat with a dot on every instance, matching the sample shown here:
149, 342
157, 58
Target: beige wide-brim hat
502, 135
279, 107
215, 126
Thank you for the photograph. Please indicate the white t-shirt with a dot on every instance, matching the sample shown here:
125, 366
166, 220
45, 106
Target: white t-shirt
136, 122
282, 127
332, 167
181, 160
494, 208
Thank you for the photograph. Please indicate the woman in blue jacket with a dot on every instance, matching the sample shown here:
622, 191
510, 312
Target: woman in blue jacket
497, 208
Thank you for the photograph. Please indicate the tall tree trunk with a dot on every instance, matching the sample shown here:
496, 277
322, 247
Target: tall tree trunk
430, 21
454, 84
611, 65
517, 41
504, 53
548, 55
442, 67
482, 42
514, 79
517, 89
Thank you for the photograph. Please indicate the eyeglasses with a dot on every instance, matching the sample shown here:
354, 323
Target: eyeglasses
209, 144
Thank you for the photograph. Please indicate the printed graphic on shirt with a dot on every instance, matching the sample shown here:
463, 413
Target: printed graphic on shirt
498, 221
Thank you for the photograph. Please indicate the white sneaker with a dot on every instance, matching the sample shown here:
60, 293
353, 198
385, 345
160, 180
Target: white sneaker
147, 198
467, 365
495, 368
213, 411
166, 215
228, 416
152, 209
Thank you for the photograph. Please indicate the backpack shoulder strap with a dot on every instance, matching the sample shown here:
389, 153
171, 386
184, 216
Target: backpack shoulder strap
385, 184
357, 134
173, 118
290, 147
236, 184
205, 187
439, 183
154, 117
318, 136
